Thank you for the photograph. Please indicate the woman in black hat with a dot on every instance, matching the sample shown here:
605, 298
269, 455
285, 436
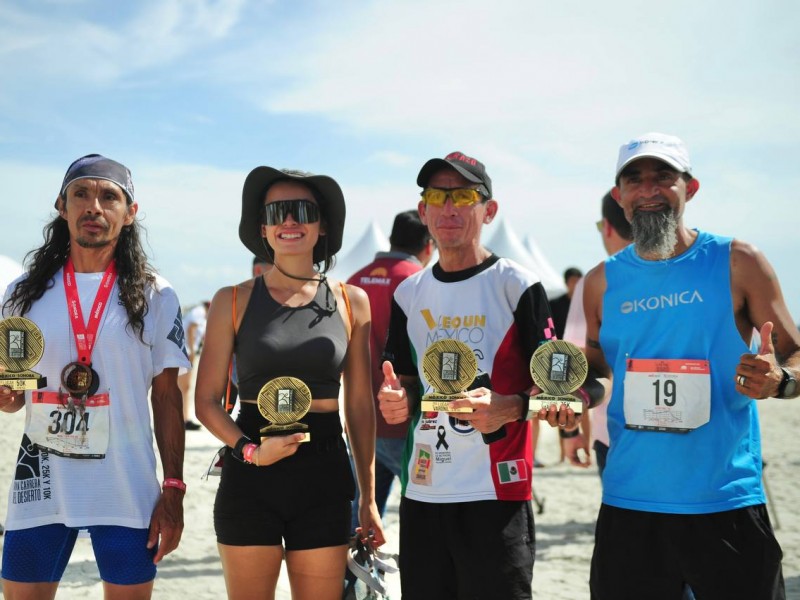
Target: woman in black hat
279, 492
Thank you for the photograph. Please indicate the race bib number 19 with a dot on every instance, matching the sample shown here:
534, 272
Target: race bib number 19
672, 396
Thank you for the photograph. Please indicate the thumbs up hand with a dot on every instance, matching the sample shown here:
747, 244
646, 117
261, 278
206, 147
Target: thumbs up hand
758, 375
392, 397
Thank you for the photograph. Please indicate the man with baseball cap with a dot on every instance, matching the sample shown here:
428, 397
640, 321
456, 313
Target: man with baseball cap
466, 524
672, 317
112, 336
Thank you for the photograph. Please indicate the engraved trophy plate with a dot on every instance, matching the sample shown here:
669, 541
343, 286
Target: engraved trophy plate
21, 347
283, 401
449, 367
558, 368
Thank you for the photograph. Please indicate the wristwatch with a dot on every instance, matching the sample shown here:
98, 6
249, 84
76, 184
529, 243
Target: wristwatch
788, 386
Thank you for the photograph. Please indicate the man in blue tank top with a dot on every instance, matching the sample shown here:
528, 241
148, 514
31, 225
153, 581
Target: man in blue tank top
671, 317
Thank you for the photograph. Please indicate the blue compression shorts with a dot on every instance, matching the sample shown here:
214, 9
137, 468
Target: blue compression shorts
40, 554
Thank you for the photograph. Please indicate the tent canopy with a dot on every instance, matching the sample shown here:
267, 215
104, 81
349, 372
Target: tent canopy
506, 243
373, 240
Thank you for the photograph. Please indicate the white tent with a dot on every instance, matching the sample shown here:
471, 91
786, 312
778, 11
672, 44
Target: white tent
9, 271
506, 243
362, 252
545, 269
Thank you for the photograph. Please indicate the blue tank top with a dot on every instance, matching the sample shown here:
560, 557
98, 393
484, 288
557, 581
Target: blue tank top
679, 308
308, 342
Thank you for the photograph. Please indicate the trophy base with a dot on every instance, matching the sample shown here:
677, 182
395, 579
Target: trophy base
23, 380
545, 401
441, 402
276, 430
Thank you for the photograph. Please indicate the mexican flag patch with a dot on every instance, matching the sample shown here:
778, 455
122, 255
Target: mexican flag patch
511, 471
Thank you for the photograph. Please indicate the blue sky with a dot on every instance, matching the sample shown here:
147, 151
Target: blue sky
193, 94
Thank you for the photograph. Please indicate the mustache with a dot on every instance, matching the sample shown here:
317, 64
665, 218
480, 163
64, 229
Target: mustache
98, 220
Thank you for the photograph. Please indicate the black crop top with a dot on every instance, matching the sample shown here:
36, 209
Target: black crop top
308, 342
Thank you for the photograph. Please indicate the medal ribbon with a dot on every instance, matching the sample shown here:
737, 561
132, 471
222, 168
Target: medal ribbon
85, 333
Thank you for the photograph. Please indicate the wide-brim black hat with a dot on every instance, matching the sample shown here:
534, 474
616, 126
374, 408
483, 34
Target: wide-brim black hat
327, 192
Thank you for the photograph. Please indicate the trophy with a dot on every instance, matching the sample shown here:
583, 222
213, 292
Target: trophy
558, 368
21, 347
283, 401
450, 367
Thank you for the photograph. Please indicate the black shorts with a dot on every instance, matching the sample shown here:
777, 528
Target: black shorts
302, 501
477, 550
731, 554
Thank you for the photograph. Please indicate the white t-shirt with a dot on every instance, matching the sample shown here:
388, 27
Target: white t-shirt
122, 488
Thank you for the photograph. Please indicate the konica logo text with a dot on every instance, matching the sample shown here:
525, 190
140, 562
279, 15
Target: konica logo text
660, 302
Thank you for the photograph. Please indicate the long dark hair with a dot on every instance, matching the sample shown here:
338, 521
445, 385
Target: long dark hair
134, 273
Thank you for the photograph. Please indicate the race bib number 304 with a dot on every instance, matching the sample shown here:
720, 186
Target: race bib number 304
668, 395
77, 429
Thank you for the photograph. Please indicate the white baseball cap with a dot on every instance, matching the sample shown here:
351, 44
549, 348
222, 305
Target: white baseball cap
661, 146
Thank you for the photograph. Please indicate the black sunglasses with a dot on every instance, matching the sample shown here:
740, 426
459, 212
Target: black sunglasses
302, 211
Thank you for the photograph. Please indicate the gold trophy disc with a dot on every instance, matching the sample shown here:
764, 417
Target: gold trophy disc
21, 347
558, 368
283, 401
450, 368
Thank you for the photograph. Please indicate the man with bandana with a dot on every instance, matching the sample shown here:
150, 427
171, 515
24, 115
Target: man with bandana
112, 337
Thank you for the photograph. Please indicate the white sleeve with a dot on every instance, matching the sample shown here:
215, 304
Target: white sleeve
169, 343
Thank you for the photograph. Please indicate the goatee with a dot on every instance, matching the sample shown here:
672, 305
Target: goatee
655, 234
85, 243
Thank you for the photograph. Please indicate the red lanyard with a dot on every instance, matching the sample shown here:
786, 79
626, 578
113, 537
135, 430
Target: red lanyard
85, 334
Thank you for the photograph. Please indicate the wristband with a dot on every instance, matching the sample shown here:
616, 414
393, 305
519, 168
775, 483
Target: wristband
565, 435
171, 482
239, 447
525, 414
248, 451
584, 395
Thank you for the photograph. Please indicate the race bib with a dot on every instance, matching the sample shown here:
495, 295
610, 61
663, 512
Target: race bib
74, 429
672, 396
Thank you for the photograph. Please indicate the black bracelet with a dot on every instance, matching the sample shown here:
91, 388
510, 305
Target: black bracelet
525, 402
236, 451
565, 435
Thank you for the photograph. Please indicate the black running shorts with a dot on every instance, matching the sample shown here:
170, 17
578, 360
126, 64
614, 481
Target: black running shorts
478, 550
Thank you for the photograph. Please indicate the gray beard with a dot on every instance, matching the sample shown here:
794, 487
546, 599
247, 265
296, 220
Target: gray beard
655, 233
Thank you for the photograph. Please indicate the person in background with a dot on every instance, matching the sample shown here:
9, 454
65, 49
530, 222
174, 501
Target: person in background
671, 317
121, 340
194, 326
411, 249
559, 307
615, 233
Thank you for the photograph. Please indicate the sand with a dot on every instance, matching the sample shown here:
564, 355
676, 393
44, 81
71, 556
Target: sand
564, 531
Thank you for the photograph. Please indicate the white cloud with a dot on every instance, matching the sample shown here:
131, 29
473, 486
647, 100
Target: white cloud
392, 158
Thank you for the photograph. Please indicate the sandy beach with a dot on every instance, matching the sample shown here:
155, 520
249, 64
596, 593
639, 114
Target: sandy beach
564, 531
